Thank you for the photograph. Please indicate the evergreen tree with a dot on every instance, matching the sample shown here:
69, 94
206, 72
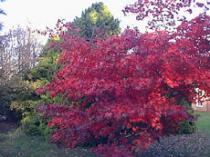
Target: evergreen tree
97, 21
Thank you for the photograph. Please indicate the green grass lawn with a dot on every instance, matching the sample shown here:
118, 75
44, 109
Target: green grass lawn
17, 144
203, 123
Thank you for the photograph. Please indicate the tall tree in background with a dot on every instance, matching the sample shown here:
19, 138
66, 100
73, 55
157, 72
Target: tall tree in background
1, 12
19, 51
97, 21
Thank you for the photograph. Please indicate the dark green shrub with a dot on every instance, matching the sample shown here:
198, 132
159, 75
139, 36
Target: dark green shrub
193, 145
5, 99
34, 125
10, 91
187, 127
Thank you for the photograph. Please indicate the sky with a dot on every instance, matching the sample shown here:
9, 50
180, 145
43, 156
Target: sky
41, 13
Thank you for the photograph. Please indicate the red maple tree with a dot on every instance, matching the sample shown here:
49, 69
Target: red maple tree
165, 13
126, 90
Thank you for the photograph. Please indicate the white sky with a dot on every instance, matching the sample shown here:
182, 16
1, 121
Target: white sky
41, 13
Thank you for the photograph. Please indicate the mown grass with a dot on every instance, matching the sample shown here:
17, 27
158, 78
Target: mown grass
17, 144
203, 123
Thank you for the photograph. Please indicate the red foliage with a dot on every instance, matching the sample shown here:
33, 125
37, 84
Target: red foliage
129, 87
165, 13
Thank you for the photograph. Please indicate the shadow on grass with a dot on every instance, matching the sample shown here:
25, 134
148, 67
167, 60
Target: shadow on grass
16, 144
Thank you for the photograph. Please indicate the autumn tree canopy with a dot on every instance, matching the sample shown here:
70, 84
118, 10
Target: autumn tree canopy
126, 91
165, 13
